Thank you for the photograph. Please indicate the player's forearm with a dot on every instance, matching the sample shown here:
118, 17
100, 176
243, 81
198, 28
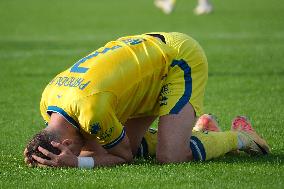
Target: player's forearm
106, 159
119, 154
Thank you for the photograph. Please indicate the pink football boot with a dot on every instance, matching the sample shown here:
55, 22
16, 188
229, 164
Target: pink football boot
207, 122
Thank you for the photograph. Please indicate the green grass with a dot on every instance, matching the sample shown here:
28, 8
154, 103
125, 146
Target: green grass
244, 42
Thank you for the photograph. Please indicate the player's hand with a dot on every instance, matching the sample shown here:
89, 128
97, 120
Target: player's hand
65, 159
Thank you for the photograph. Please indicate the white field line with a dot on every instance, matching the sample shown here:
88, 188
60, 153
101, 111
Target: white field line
243, 35
48, 38
107, 37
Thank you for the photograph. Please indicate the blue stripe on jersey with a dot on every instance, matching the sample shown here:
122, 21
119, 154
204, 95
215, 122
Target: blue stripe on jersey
116, 141
197, 149
56, 109
188, 85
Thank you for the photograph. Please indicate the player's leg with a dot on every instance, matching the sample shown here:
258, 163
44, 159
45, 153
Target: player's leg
215, 144
135, 130
182, 99
207, 140
205, 145
203, 7
210, 145
241, 137
167, 6
208, 123
205, 123
174, 132
174, 145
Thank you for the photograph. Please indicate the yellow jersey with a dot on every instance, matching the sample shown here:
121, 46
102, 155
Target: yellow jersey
102, 90
119, 81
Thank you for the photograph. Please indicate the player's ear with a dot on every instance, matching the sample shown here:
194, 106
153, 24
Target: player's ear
67, 142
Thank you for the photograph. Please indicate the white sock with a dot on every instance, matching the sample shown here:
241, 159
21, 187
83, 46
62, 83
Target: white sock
241, 144
203, 2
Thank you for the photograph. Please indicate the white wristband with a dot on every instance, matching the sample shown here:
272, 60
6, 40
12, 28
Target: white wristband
86, 162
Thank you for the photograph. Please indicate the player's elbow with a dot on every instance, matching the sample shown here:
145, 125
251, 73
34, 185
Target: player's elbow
128, 158
126, 155
125, 150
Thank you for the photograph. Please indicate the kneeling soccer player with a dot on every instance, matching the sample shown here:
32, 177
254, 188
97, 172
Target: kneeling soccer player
207, 141
108, 100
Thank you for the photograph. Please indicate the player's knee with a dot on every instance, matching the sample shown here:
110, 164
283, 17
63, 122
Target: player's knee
164, 158
172, 157
127, 157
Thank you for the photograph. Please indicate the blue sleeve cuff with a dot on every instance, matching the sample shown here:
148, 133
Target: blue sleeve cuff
55, 109
116, 141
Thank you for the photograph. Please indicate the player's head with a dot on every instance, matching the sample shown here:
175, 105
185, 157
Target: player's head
44, 138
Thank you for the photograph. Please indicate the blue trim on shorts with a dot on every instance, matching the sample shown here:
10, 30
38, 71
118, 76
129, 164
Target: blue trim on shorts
188, 85
64, 114
197, 149
116, 141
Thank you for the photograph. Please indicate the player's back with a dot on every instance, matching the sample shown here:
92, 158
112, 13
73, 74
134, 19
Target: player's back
131, 68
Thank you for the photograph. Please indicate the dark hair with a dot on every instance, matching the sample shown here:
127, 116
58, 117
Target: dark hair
42, 139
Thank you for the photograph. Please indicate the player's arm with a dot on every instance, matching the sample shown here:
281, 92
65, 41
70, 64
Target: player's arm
93, 155
119, 154
99, 122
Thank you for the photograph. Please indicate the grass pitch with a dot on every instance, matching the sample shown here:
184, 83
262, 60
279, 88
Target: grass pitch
244, 42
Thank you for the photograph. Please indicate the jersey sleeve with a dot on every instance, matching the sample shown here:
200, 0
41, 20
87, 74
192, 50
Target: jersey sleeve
96, 116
